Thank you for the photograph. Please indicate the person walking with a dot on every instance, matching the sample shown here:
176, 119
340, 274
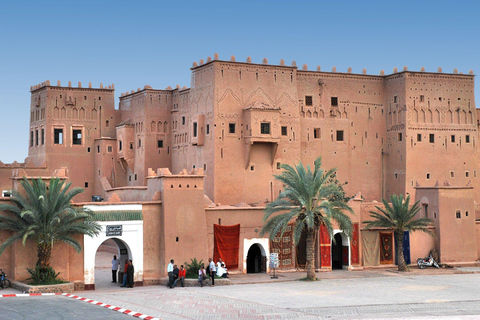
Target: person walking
212, 270
115, 265
170, 273
130, 273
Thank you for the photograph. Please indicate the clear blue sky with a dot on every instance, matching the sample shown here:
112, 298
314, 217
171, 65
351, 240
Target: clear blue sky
132, 44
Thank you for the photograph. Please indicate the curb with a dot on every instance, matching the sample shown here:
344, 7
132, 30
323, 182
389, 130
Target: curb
97, 303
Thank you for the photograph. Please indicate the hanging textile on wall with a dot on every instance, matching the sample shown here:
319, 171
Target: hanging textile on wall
283, 246
386, 249
226, 244
371, 248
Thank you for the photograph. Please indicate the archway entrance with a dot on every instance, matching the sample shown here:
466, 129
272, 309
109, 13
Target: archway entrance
256, 262
103, 262
340, 251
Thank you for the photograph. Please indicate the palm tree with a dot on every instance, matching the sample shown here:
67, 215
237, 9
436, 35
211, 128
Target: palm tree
45, 215
400, 217
310, 199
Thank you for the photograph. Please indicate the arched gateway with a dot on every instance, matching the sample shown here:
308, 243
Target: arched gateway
124, 225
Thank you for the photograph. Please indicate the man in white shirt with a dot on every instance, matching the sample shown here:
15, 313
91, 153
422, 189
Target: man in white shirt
115, 264
212, 271
170, 274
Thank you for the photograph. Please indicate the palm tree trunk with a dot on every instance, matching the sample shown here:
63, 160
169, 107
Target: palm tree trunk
311, 254
402, 266
44, 253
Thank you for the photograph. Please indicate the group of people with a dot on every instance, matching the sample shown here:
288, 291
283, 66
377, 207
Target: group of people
175, 275
219, 270
128, 272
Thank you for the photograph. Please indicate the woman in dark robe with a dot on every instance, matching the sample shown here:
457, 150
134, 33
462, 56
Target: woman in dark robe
130, 272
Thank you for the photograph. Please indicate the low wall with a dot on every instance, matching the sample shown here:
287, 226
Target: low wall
55, 288
187, 282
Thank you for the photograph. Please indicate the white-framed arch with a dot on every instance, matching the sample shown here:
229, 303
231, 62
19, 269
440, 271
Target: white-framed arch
263, 244
345, 243
131, 238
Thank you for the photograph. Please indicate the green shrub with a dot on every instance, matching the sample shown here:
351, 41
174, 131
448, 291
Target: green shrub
43, 275
192, 268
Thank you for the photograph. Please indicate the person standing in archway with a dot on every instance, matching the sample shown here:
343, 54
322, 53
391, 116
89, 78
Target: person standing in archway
115, 264
125, 274
130, 272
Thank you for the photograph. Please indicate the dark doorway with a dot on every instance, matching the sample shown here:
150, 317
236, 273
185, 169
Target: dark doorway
301, 249
255, 260
337, 252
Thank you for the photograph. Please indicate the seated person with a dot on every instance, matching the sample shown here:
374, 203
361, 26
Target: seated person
221, 269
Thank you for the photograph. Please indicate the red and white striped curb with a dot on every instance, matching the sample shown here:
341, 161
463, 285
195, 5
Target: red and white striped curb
97, 303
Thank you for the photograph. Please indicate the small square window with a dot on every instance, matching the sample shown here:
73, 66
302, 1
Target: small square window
265, 128
120, 145
109, 149
183, 120
208, 129
452, 174
431, 137
458, 214
400, 136
98, 149
278, 165
467, 138
419, 137
284, 131
339, 135
452, 138
439, 98
422, 98
159, 143
316, 133
231, 128
428, 176
467, 174
139, 143
334, 101
131, 145
129, 178
107, 123
395, 99
43, 136
308, 101
135, 177
31, 138
252, 168
86, 184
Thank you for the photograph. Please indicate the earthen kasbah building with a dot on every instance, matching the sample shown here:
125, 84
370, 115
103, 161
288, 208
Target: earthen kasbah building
185, 173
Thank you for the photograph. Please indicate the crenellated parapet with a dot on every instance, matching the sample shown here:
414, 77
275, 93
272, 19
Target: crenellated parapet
79, 86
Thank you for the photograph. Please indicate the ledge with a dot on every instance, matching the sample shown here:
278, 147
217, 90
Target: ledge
54, 288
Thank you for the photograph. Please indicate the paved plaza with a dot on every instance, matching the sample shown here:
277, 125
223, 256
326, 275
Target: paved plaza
370, 294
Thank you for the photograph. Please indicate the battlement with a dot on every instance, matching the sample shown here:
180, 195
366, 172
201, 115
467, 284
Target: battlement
281, 63
47, 84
